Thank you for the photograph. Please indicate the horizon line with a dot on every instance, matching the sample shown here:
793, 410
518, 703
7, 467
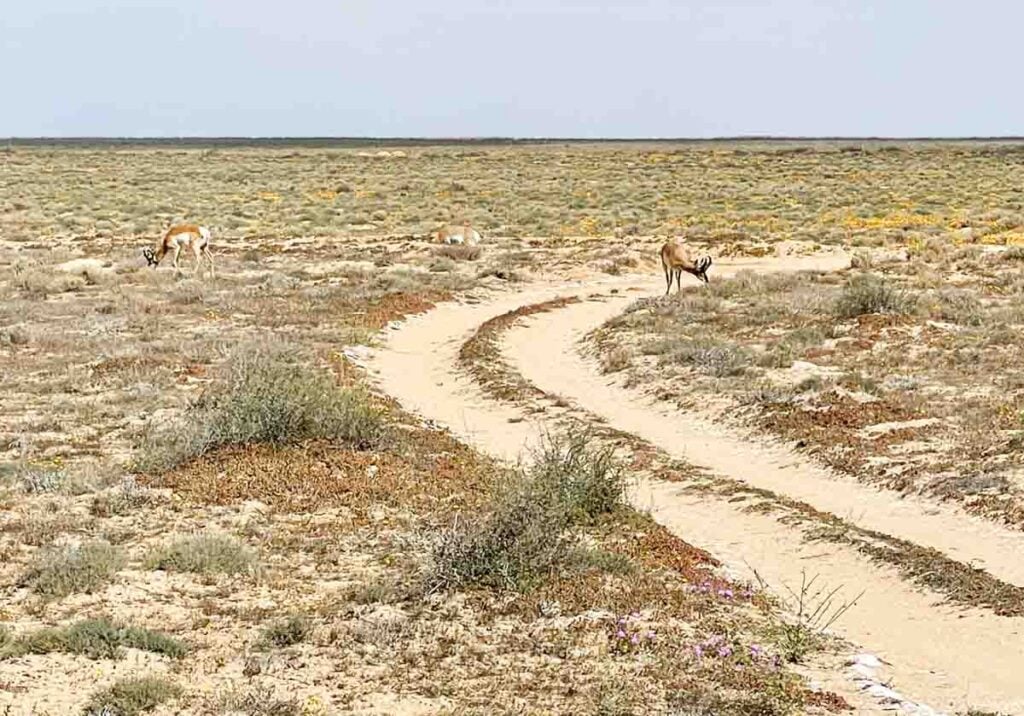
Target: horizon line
484, 139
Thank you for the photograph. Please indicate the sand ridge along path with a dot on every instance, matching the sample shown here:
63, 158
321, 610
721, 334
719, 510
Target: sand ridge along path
948, 657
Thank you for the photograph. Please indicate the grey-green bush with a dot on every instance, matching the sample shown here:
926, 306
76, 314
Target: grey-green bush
524, 536
961, 307
204, 554
263, 395
870, 294
587, 478
714, 358
68, 570
289, 631
94, 638
132, 696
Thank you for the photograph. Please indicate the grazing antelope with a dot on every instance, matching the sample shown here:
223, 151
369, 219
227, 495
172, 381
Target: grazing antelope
676, 258
183, 236
465, 234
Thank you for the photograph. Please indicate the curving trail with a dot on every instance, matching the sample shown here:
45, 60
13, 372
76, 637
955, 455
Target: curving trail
949, 658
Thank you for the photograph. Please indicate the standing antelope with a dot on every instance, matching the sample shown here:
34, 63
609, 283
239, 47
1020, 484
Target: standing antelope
676, 258
183, 236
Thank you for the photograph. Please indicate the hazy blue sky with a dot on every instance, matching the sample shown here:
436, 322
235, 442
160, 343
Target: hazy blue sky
586, 68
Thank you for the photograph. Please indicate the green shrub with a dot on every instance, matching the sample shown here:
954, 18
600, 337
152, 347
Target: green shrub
870, 294
263, 396
204, 554
588, 480
523, 537
68, 570
94, 638
514, 547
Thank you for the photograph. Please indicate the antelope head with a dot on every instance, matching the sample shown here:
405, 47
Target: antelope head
701, 266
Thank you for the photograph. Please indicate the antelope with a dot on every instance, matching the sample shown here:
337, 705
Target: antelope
466, 234
676, 258
183, 236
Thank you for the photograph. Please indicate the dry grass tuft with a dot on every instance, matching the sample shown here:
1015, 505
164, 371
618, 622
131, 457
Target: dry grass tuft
132, 696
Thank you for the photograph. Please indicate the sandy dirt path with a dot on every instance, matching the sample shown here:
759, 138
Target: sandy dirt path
949, 658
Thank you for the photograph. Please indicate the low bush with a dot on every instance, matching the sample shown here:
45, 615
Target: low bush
263, 395
870, 294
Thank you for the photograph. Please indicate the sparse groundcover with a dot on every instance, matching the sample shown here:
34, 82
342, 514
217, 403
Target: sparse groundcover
426, 470
329, 258
481, 354
959, 582
459, 252
127, 497
528, 541
891, 376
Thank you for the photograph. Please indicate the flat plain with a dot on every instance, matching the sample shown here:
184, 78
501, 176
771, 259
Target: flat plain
209, 507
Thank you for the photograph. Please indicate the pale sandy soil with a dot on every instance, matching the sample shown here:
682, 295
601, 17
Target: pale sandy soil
946, 657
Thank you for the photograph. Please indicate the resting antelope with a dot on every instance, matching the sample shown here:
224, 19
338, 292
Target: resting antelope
676, 258
183, 236
465, 234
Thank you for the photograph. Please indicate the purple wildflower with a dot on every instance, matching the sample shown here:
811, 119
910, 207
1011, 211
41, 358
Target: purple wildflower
635, 639
620, 634
724, 651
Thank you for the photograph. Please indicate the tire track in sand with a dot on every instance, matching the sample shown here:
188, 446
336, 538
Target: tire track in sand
951, 658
